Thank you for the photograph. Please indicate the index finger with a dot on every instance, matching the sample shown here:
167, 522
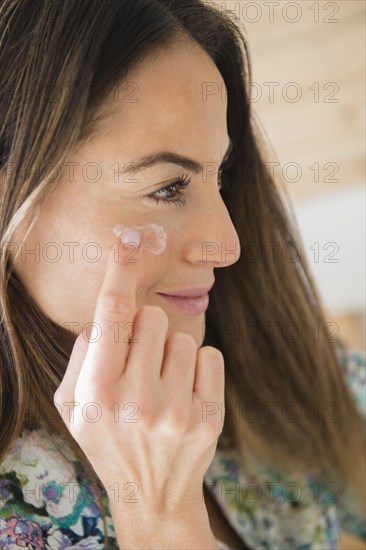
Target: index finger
114, 312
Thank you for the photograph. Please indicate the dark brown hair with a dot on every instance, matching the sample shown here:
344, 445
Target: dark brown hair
78, 52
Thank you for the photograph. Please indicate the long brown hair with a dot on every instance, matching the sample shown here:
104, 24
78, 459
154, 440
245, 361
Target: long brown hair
265, 314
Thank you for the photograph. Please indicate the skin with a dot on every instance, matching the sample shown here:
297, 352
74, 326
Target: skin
169, 114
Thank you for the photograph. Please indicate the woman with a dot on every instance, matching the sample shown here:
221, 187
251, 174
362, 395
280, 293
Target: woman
113, 396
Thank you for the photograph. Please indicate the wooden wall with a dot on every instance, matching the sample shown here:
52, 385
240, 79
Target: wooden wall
314, 52
308, 62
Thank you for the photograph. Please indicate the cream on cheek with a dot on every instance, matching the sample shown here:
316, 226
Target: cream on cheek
153, 236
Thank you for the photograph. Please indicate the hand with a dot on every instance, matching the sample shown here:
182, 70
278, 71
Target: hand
160, 442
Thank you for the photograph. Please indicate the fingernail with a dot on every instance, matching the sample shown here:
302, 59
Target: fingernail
88, 332
130, 235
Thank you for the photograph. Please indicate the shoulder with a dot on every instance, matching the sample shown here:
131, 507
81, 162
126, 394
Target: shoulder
352, 361
45, 498
269, 511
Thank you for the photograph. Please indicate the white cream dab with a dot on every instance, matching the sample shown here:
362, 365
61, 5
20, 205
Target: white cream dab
153, 237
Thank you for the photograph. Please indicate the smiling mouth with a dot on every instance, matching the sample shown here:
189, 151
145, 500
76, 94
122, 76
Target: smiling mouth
189, 305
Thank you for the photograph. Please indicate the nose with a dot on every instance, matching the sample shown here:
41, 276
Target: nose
212, 238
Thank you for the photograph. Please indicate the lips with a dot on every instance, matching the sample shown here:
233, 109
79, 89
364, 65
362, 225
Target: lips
191, 301
188, 305
189, 292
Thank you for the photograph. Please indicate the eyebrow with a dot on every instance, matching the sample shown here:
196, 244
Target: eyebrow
169, 157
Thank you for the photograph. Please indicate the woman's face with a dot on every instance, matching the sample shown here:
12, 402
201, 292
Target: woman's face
173, 101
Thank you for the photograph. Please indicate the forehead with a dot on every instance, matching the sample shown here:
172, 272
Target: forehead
174, 93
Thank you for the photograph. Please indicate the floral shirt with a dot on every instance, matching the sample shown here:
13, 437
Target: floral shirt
47, 502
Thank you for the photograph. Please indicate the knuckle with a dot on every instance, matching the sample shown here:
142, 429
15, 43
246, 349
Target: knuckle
114, 305
172, 424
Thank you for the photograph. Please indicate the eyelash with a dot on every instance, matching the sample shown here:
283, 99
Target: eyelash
182, 183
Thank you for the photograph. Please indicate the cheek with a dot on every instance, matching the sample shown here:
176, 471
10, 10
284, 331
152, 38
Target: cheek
150, 278
195, 326
81, 230
86, 278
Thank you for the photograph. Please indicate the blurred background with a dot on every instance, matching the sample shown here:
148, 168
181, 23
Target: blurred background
308, 92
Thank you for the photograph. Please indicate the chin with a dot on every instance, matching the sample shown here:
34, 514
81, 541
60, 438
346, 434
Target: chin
193, 325
181, 322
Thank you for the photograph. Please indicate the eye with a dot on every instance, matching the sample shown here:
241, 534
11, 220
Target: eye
177, 199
